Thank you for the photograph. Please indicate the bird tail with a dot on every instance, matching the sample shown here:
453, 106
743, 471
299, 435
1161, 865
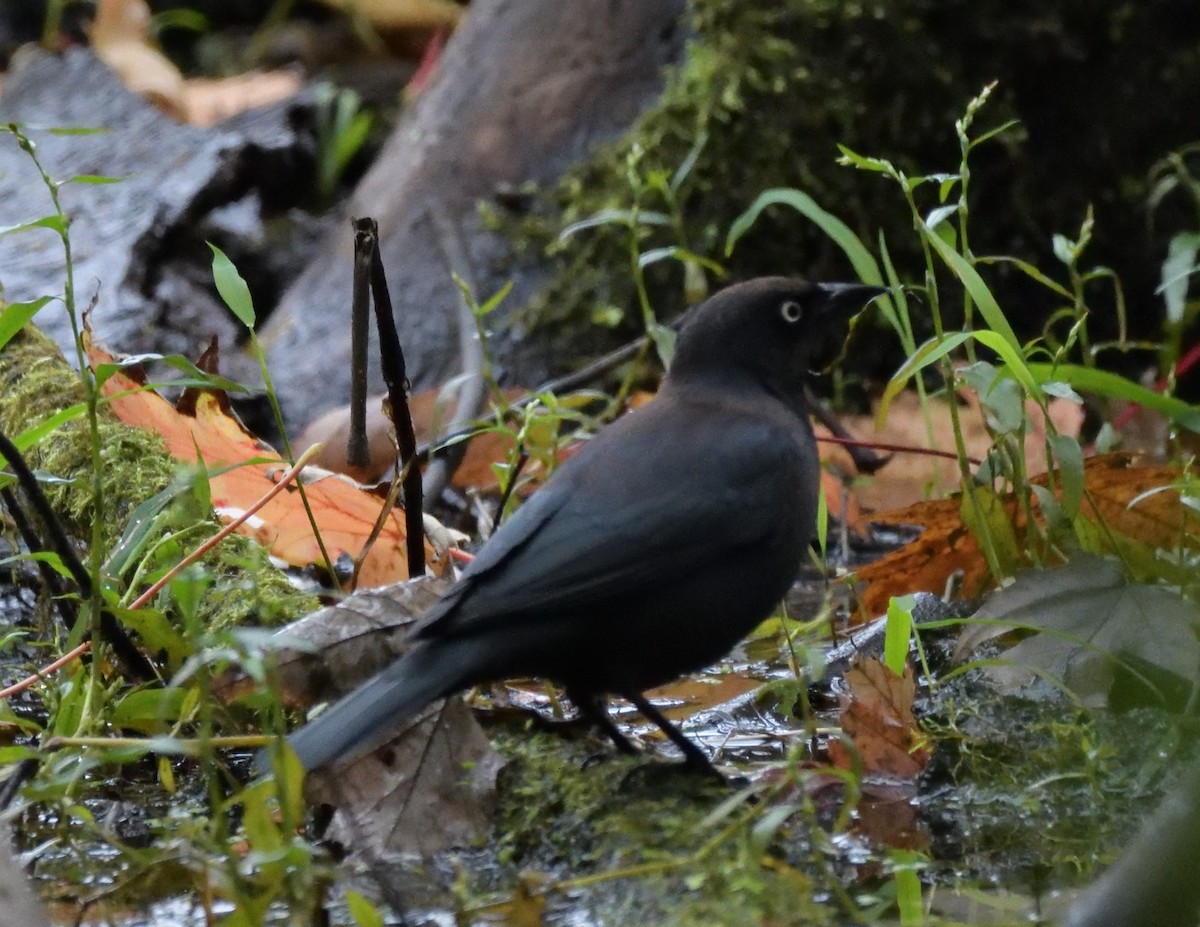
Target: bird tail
383, 703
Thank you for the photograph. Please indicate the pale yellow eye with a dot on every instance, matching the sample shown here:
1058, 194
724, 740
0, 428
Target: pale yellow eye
791, 311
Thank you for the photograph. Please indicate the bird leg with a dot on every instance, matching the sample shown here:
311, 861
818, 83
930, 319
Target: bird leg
694, 757
592, 707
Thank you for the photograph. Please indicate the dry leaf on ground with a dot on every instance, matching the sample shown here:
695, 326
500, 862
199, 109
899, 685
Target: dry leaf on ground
432, 784
345, 513
877, 715
208, 101
120, 37
1118, 495
338, 647
432, 787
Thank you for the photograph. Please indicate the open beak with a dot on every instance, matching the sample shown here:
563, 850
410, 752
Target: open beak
842, 300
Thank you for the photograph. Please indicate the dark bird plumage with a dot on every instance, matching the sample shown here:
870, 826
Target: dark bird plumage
651, 552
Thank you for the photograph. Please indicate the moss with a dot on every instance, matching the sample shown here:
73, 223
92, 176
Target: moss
35, 383
641, 835
1038, 789
776, 86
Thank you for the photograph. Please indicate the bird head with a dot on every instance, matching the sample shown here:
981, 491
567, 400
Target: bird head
771, 330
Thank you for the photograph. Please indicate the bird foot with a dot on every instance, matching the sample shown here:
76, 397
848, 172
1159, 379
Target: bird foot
655, 774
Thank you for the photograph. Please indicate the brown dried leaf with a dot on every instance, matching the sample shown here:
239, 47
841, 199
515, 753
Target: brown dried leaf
432, 785
120, 37
430, 788
208, 101
346, 643
944, 547
877, 715
1125, 499
1112, 483
202, 424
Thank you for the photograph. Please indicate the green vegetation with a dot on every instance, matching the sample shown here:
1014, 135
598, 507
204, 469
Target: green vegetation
592, 830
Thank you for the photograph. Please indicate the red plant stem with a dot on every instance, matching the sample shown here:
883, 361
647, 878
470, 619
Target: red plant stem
896, 448
1185, 363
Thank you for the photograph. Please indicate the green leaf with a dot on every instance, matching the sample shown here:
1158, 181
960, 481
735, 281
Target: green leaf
362, 911
664, 341
138, 529
15, 316
897, 633
79, 130
862, 162
1069, 455
1001, 398
615, 217
193, 375
909, 902
232, 287
978, 290
157, 632
1178, 267
98, 179
494, 300
683, 255
1062, 391
930, 352
1064, 249
689, 162
1014, 360
149, 711
940, 215
54, 223
1030, 271
860, 258
1115, 386
1092, 619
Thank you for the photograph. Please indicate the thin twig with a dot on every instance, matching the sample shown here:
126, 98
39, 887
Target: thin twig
132, 660
357, 450
896, 448
50, 577
395, 376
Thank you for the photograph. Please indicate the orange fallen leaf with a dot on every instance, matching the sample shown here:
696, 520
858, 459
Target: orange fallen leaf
1127, 500
121, 39
206, 101
345, 513
877, 715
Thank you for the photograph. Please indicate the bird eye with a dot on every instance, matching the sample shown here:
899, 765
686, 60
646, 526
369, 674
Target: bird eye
791, 311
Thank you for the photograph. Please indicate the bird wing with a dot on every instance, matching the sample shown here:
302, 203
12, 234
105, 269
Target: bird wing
634, 506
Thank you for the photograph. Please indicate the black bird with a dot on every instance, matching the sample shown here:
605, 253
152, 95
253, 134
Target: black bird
651, 552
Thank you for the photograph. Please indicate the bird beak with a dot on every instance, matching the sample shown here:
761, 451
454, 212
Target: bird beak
842, 300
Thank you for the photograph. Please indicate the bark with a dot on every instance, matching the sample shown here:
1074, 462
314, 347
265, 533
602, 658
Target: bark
525, 89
